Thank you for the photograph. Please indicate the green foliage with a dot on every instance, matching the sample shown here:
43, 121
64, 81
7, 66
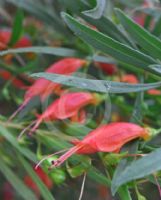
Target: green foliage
100, 32
103, 86
107, 45
17, 27
96, 12
43, 189
16, 182
138, 169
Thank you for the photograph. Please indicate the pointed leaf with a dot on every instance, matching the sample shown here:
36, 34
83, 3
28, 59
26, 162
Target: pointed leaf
107, 45
138, 169
98, 11
97, 85
103, 25
58, 51
145, 39
17, 27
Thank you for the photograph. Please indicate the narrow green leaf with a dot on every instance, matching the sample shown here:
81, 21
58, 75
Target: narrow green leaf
17, 27
43, 189
145, 39
157, 28
98, 11
156, 68
97, 85
132, 148
137, 114
138, 169
13, 141
107, 45
58, 51
16, 183
137, 111
103, 25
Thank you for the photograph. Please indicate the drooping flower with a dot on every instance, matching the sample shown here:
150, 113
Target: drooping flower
43, 88
67, 106
107, 138
5, 36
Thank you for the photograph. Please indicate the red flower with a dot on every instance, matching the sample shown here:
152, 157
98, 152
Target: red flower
23, 42
5, 36
107, 138
140, 19
43, 87
108, 68
7, 190
67, 106
43, 176
8, 76
154, 92
129, 78
31, 184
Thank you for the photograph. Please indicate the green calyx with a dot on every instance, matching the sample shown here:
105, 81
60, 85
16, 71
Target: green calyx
99, 98
114, 158
153, 132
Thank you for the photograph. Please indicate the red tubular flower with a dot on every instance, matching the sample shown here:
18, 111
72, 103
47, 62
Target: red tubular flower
43, 176
7, 190
31, 184
23, 42
108, 68
43, 87
66, 107
140, 19
5, 36
8, 76
154, 92
107, 138
129, 78
4, 39
104, 192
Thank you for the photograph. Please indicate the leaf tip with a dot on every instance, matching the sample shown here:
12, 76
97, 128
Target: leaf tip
34, 75
64, 15
113, 188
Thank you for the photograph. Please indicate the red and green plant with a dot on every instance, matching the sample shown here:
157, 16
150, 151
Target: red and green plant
92, 70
